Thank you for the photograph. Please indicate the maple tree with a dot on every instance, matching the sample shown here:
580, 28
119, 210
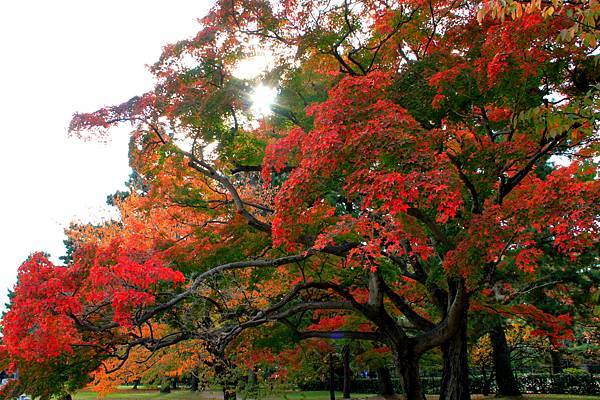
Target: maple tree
424, 160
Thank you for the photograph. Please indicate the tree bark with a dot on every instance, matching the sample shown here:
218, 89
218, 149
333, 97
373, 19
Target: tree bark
386, 387
505, 377
455, 375
331, 378
347, 372
408, 369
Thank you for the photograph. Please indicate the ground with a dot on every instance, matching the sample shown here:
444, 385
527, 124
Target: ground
187, 395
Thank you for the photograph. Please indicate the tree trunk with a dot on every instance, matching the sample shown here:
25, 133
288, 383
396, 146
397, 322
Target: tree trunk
226, 377
251, 379
194, 381
486, 381
407, 365
408, 368
229, 393
455, 375
347, 372
331, 378
386, 387
136, 383
556, 359
505, 378
165, 386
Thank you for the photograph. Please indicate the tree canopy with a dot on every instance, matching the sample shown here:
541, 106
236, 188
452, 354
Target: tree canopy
424, 163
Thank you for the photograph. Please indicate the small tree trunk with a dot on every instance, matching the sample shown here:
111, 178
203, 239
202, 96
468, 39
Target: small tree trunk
386, 386
505, 377
174, 383
455, 375
251, 379
229, 393
556, 359
136, 383
194, 381
331, 378
486, 381
166, 386
347, 372
226, 377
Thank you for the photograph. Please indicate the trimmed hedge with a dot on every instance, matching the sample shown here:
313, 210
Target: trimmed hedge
542, 383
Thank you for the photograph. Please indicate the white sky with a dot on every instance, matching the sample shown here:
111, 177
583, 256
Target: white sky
58, 57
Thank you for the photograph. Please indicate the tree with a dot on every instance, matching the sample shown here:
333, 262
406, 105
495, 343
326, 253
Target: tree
405, 179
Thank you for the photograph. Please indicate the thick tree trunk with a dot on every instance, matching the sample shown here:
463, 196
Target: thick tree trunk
386, 386
556, 359
455, 375
347, 372
505, 378
331, 378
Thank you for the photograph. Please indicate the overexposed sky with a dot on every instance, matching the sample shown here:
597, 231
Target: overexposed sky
58, 57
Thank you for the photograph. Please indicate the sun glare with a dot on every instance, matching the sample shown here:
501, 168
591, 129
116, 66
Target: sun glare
262, 99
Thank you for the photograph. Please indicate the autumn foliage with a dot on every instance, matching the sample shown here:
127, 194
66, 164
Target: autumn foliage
425, 163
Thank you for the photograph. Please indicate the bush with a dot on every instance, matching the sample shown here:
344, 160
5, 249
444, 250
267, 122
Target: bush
566, 383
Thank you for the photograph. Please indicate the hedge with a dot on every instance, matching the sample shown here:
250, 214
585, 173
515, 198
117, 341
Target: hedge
542, 383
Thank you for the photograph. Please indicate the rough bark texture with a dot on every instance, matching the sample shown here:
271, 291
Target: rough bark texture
505, 377
347, 372
386, 387
455, 375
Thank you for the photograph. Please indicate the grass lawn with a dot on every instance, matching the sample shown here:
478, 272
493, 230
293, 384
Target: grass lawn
129, 394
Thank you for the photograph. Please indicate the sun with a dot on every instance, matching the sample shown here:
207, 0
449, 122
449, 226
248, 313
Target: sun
263, 98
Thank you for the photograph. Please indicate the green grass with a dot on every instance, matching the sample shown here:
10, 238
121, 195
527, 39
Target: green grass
541, 397
210, 395
129, 394
316, 396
